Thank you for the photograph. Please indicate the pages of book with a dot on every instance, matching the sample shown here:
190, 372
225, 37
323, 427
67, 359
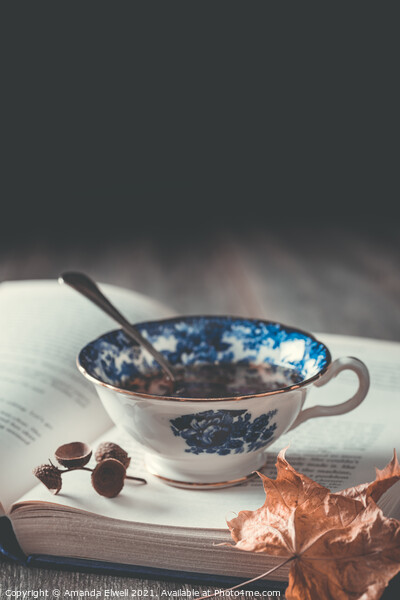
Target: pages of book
43, 397
336, 451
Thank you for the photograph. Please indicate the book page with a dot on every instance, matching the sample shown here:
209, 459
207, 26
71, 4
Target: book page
336, 451
44, 400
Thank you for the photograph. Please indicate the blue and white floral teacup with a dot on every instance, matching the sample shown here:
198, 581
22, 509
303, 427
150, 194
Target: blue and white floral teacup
211, 442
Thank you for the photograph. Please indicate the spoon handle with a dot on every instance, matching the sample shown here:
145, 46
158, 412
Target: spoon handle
87, 287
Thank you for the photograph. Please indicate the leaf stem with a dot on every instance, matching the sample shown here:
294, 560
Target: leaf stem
235, 587
340, 558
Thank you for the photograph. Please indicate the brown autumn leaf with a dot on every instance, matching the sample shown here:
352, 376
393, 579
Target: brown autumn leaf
384, 479
341, 546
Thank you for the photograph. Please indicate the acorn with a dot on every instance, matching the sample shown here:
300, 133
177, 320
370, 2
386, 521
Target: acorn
50, 476
108, 477
111, 450
73, 455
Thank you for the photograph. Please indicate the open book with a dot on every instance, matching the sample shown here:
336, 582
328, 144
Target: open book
45, 402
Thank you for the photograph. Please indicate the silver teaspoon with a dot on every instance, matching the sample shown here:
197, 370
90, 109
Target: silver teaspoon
87, 287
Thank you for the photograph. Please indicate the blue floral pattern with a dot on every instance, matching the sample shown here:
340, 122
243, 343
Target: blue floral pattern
224, 431
114, 359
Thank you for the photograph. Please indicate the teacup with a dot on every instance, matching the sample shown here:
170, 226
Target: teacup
213, 442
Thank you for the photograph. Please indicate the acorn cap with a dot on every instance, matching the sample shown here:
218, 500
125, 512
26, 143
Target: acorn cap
108, 477
73, 455
111, 450
50, 476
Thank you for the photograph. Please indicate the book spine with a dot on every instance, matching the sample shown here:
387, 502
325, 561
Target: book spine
9, 546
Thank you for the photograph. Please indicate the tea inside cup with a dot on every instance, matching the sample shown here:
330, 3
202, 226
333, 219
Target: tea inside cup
216, 380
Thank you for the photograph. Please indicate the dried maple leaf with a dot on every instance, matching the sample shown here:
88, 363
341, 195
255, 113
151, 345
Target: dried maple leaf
341, 545
384, 479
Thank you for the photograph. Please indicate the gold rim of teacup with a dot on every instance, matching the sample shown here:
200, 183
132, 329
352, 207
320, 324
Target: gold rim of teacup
125, 392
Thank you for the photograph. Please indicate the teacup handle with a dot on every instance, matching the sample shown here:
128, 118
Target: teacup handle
340, 364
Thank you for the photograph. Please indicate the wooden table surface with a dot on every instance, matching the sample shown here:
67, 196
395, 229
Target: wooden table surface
336, 281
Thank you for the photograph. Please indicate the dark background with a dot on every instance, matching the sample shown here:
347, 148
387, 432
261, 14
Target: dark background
171, 123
